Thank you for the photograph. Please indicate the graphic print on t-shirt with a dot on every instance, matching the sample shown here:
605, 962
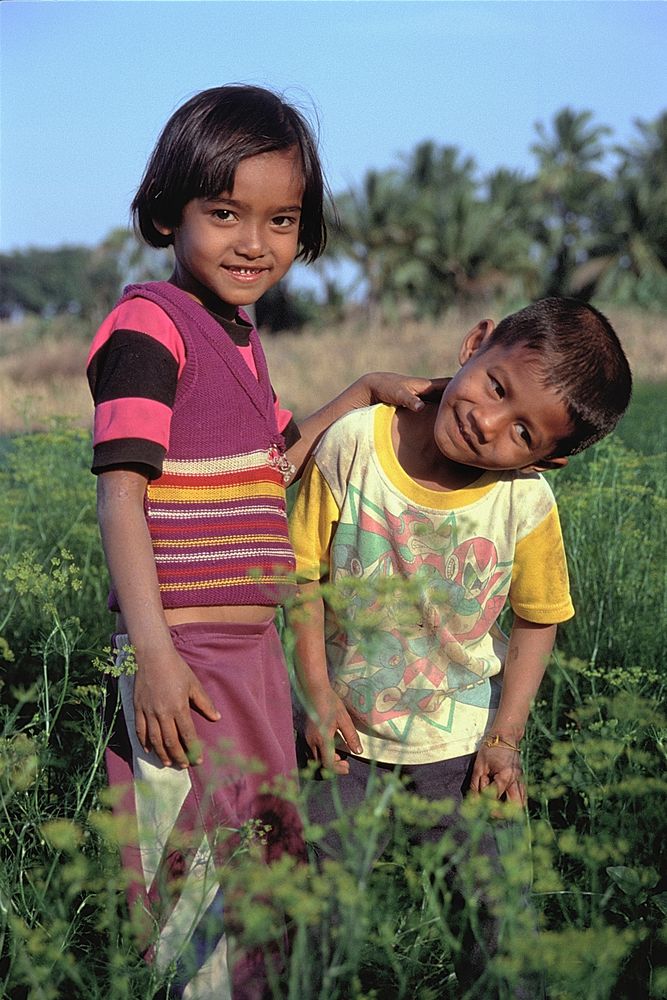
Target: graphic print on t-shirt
405, 639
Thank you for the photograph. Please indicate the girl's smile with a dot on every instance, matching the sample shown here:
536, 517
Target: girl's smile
231, 249
246, 273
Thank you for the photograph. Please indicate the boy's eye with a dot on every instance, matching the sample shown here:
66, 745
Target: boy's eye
497, 387
223, 214
523, 433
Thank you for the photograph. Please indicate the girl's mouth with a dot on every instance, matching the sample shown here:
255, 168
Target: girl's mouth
244, 273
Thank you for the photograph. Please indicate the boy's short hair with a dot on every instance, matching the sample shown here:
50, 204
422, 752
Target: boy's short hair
201, 146
580, 356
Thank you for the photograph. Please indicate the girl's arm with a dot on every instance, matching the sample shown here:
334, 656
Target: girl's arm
375, 387
164, 685
498, 766
327, 714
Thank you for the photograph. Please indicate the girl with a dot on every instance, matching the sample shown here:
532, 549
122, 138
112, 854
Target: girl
193, 452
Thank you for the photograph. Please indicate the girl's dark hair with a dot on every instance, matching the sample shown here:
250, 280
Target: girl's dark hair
577, 353
201, 146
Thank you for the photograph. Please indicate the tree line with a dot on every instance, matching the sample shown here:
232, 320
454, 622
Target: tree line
431, 232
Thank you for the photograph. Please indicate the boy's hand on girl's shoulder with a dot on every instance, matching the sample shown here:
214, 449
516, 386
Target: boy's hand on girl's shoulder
499, 769
164, 689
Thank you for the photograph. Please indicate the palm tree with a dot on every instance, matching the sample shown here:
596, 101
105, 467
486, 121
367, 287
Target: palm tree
425, 236
371, 232
509, 207
564, 190
468, 247
629, 258
441, 190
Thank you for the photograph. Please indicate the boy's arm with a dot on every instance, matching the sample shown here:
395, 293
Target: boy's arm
529, 650
164, 685
326, 712
375, 387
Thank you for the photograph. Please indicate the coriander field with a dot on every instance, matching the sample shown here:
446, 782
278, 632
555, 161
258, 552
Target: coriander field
595, 753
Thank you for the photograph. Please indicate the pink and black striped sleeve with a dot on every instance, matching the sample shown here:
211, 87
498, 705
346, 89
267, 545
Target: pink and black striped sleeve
133, 369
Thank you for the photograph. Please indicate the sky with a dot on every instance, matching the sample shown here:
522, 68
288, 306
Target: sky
86, 86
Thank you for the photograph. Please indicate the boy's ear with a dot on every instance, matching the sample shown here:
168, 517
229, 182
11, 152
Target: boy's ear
546, 465
476, 338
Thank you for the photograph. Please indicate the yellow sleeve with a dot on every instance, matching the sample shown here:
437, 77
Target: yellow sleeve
312, 523
540, 589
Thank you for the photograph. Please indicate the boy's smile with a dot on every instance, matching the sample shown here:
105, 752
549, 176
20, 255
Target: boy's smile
231, 249
496, 413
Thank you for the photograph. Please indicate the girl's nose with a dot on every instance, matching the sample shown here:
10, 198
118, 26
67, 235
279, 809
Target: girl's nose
249, 241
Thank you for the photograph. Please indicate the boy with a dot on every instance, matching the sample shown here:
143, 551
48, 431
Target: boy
451, 500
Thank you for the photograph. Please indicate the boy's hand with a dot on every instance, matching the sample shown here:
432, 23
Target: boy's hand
499, 768
397, 390
331, 717
164, 689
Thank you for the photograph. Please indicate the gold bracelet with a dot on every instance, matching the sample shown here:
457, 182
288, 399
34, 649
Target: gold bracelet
496, 740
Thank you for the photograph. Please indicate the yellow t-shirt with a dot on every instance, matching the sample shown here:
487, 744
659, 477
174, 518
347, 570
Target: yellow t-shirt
419, 578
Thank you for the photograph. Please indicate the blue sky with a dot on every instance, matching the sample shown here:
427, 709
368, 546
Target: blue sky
86, 86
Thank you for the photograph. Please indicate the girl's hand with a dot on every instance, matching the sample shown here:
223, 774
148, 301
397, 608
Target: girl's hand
164, 689
398, 390
330, 717
499, 768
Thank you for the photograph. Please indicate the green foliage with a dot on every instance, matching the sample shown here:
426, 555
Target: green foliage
432, 233
613, 506
594, 754
76, 280
63, 925
39, 281
51, 554
629, 222
644, 429
567, 182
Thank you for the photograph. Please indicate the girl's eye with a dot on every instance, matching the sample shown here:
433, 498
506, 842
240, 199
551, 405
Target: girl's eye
497, 387
223, 214
283, 221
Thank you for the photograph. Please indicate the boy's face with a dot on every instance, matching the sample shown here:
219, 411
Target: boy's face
495, 413
231, 249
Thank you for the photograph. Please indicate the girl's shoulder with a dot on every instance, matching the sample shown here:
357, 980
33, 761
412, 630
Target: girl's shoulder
141, 317
142, 314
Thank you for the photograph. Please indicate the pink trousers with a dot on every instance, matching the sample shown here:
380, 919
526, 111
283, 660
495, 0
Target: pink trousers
179, 826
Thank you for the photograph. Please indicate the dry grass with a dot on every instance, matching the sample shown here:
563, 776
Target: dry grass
44, 380
308, 369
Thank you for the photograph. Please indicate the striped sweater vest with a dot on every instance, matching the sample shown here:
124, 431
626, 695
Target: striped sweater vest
217, 515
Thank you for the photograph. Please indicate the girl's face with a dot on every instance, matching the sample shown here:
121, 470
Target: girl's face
231, 249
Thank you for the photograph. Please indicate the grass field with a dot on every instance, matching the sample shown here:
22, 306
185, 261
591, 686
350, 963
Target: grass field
41, 365
595, 751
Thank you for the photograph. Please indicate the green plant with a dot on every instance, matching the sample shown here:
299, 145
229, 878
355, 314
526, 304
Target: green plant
594, 754
49, 537
613, 507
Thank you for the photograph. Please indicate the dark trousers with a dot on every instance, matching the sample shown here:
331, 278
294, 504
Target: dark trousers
331, 798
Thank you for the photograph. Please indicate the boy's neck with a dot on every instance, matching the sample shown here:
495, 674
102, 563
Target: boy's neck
419, 456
